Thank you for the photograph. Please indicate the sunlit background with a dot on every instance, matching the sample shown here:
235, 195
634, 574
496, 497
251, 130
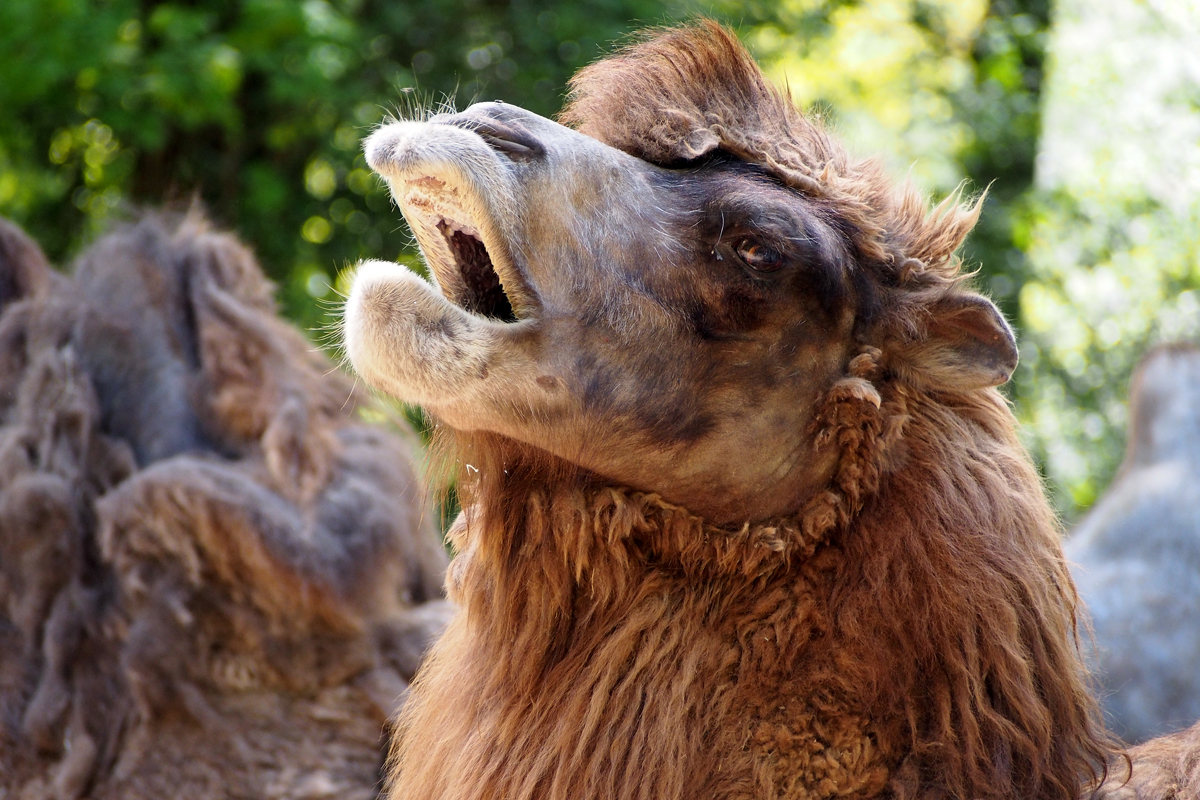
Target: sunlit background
1081, 118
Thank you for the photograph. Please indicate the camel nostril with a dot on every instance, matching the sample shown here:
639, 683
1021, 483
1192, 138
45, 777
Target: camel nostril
510, 140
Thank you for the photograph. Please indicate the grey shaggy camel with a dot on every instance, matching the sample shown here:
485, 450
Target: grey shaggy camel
214, 581
1136, 556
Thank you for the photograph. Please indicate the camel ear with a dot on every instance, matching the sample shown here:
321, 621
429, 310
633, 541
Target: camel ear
696, 144
968, 345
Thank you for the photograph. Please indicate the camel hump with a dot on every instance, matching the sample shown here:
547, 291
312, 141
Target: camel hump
1136, 556
1164, 403
24, 269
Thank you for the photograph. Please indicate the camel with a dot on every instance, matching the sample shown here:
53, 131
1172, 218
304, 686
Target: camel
744, 513
1166, 768
1136, 556
215, 581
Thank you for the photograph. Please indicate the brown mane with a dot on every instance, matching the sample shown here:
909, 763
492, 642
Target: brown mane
919, 605
930, 573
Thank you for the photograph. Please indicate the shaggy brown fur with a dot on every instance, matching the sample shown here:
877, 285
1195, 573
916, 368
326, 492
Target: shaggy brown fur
868, 644
909, 632
209, 572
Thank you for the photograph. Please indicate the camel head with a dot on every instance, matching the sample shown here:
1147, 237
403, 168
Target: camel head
663, 290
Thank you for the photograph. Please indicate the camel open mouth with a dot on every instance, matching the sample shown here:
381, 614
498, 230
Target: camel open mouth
470, 263
478, 288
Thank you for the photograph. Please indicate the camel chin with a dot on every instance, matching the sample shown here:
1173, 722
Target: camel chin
410, 341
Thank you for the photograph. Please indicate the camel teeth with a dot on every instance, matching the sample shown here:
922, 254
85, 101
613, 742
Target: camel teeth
455, 226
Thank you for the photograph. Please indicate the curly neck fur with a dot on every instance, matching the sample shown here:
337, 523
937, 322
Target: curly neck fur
910, 631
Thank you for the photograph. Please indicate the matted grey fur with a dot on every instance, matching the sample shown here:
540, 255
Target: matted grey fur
214, 581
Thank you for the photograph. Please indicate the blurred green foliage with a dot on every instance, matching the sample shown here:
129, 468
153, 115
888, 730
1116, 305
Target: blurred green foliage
1111, 231
257, 107
1111, 276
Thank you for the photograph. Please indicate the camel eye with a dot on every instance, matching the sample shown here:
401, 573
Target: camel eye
759, 256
